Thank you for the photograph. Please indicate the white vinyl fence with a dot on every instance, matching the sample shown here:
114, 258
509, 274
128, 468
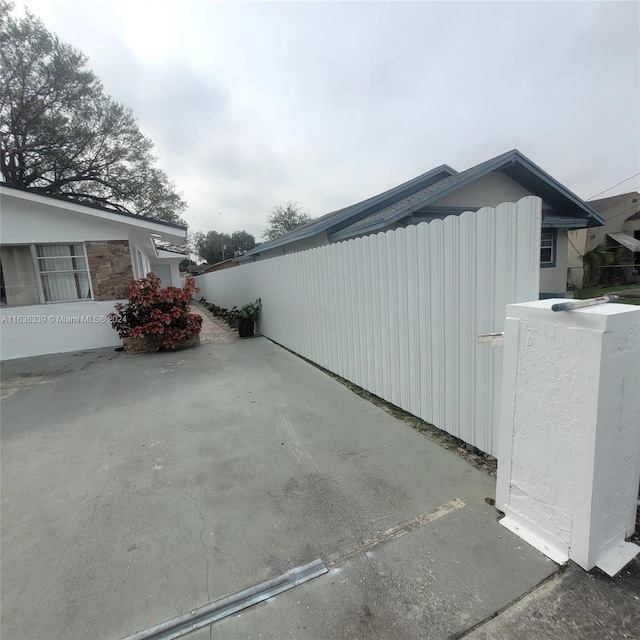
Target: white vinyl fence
398, 313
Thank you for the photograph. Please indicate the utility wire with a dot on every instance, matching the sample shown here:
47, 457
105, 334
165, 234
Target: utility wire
615, 185
615, 204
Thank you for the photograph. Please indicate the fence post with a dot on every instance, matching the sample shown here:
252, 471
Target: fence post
569, 451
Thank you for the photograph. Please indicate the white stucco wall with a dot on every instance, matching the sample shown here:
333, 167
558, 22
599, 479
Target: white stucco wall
41, 329
31, 218
175, 273
24, 222
577, 248
569, 456
488, 191
173, 265
55, 328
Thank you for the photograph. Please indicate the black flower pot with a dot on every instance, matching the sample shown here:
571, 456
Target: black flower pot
245, 328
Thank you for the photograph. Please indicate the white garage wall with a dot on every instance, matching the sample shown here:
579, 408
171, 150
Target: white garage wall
399, 313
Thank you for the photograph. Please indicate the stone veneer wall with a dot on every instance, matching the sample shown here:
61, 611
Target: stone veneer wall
110, 269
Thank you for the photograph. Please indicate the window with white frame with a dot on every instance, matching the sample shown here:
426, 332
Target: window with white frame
547, 248
43, 273
63, 272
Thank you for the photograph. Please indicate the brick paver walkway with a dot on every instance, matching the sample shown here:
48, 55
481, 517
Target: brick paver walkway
213, 329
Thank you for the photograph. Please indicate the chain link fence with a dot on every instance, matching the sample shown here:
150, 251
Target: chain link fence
603, 275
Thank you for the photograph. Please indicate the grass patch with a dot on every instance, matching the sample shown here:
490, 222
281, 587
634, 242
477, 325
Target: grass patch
595, 292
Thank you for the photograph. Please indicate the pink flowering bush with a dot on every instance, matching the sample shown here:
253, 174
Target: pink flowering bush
161, 314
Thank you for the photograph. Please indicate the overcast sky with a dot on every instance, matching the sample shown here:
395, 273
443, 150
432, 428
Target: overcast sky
328, 103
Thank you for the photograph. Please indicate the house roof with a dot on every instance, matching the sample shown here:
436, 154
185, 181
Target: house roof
627, 241
197, 268
512, 163
34, 194
607, 203
334, 221
206, 268
171, 248
169, 251
394, 205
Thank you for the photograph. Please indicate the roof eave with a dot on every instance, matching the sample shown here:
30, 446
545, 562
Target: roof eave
577, 223
444, 192
356, 212
279, 242
398, 193
543, 175
169, 255
503, 162
342, 235
43, 198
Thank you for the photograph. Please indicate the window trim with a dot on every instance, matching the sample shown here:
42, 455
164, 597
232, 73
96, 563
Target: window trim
36, 258
554, 246
38, 273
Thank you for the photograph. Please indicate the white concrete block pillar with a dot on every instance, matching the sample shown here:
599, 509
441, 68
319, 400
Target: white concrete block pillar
569, 449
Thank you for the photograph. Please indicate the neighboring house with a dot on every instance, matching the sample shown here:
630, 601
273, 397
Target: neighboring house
621, 215
199, 269
63, 266
442, 192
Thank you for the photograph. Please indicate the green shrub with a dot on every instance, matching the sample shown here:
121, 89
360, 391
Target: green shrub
249, 311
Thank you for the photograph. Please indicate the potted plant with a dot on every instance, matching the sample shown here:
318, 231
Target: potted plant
156, 319
245, 317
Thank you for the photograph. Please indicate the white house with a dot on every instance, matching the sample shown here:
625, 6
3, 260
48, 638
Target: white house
64, 265
621, 215
442, 192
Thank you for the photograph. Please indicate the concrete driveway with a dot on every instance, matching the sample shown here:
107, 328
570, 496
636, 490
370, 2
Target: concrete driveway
138, 488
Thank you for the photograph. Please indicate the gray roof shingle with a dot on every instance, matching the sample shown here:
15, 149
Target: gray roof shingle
347, 215
422, 196
383, 210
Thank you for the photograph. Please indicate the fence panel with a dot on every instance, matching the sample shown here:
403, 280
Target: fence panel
398, 313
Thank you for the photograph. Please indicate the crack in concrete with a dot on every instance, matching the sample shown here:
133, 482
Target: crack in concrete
204, 544
363, 546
